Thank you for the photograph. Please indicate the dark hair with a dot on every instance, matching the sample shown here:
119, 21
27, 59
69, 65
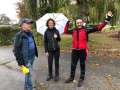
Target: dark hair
50, 20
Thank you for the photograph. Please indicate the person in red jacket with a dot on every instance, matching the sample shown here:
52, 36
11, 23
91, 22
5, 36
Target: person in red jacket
80, 46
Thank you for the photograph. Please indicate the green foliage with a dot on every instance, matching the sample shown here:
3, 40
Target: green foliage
50, 6
7, 33
37, 8
31, 6
66, 42
38, 37
91, 10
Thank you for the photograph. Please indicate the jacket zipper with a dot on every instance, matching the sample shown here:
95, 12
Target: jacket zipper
77, 39
53, 41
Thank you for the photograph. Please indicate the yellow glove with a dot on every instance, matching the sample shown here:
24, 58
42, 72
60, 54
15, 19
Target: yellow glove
24, 70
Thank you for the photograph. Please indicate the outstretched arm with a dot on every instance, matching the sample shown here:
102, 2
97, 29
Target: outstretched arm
101, 25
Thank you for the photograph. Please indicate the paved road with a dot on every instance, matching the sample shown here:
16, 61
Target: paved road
102, 73
10, 77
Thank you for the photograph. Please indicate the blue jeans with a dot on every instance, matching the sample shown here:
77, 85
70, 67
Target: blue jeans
28, 77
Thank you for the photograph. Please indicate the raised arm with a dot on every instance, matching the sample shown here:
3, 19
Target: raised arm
101, 25
66, 29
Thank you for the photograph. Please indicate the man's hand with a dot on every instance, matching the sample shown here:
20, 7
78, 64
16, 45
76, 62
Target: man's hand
109, 14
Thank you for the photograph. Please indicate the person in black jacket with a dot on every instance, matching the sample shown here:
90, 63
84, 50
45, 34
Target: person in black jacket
25, 49
52, 48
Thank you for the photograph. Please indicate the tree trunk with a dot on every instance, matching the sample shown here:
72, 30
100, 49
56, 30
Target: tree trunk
83, 8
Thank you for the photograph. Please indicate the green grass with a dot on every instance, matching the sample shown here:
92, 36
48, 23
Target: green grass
66, 42
116, 27
96, 41
99, 43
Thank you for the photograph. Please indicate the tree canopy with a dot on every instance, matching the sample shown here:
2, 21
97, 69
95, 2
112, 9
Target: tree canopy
91, 10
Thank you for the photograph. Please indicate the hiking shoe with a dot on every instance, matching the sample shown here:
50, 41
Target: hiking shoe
80, 82
69, 80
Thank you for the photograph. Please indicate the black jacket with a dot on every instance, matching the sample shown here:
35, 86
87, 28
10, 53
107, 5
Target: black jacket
21, 48
51, 43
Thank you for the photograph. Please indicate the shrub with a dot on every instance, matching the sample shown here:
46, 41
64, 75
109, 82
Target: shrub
7, 33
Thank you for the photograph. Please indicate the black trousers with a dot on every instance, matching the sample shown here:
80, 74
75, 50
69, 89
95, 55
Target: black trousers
53, 55
78, 55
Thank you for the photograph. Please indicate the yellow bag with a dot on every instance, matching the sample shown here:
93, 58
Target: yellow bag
24, 69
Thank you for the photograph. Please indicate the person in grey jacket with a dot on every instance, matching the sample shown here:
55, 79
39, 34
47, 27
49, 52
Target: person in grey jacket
52, 48
25, 49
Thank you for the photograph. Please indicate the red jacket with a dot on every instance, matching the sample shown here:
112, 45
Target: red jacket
80, 35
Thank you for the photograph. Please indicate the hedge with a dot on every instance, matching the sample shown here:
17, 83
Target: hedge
7, 33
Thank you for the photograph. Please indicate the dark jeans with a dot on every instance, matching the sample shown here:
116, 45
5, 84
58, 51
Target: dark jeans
78, 55
53, 55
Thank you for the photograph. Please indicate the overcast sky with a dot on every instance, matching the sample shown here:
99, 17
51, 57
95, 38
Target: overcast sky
8, 7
